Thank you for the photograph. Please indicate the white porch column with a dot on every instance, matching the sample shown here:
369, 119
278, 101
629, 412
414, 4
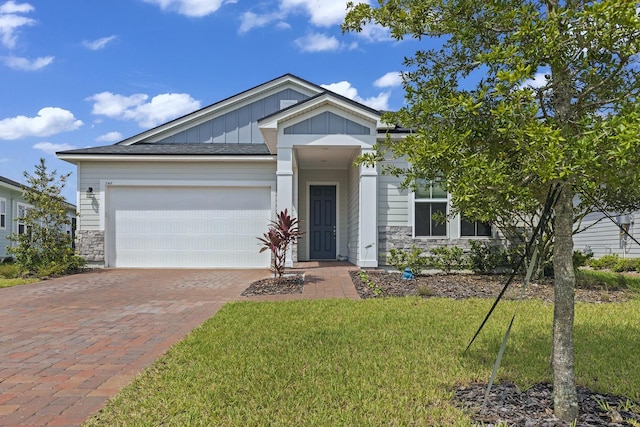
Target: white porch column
284, 196
368, 205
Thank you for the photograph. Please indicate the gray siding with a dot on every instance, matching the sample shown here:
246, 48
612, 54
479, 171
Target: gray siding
393, 202
603, 236
12, 199
236, 126
92, 174
327, 123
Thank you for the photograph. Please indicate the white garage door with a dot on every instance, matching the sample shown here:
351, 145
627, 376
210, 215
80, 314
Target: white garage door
187, 227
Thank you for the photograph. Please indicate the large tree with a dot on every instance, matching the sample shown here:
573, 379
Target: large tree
513, 100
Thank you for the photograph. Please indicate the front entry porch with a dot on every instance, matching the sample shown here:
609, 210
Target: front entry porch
335, 202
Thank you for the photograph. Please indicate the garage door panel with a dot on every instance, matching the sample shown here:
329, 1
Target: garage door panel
187, 227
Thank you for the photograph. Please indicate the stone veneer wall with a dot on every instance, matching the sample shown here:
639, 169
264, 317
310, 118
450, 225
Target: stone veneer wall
90, 245
400, 237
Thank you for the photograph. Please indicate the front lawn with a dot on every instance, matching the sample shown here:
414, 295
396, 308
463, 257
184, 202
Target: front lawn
392, 361
7, 283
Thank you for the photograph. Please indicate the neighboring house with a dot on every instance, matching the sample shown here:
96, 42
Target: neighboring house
602, 236
199, 190
12, 207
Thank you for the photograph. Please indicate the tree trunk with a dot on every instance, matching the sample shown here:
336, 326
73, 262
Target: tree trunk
565, 399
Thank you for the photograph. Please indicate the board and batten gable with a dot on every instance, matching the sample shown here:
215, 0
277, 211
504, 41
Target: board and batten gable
238, 125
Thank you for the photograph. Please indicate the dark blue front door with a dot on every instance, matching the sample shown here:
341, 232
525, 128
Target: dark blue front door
322, 222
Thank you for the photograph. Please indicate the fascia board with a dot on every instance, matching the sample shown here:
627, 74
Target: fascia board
274, 121
73, 158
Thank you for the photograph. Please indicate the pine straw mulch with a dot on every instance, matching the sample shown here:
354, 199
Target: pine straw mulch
507, 405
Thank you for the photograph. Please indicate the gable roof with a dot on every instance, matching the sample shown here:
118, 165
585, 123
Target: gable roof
142, 145
6, 182
283, 80
11, 183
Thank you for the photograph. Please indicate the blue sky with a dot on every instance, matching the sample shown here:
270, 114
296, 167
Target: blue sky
77, 73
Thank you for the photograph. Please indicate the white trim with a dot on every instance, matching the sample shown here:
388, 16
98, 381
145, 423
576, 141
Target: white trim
162, 158
17, 215
412, 216
106, 183
308, 218
3, 213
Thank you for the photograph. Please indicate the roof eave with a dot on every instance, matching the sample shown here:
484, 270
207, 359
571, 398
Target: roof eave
74, 158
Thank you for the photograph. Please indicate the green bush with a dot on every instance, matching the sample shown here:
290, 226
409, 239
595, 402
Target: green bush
400, 259
10, 270
448, 258
607, 262
485, 258
615, 263
580, 259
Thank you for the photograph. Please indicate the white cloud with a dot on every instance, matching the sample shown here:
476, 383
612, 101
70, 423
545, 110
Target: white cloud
539, 80
13, 7
374, 33
344, 88
51, 148
98, 44
194, 8
323, 13
49, 121
250, 20
110, 137
25, 64
317, 42
391, 79
159, 109
11, 20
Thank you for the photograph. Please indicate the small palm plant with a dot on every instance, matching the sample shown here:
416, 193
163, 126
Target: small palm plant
283, 231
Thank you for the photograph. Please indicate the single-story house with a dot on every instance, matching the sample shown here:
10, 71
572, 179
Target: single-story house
198, 191
12, 207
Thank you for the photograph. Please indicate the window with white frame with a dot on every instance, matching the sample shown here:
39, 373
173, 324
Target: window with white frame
474, 228
3, 213
20, 222
430, 208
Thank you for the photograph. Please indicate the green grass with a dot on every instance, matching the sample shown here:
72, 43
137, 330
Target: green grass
7, 283
10, 276
372, 362
595, 279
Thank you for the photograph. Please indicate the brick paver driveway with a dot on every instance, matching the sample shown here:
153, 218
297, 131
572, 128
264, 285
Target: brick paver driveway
68, 344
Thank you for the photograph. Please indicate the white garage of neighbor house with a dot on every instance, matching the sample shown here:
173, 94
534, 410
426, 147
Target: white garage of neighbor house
199, 190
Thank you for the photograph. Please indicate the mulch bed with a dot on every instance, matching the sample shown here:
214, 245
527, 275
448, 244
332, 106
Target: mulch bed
507, 405
289, 284
461, 286
533, 407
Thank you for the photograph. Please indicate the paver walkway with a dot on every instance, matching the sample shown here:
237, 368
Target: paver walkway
69, 344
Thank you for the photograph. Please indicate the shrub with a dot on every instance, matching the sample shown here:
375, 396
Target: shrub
485, 258
400, 259
282, 232
448, 258
44, 248
580, 259
10, 270
605, 262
